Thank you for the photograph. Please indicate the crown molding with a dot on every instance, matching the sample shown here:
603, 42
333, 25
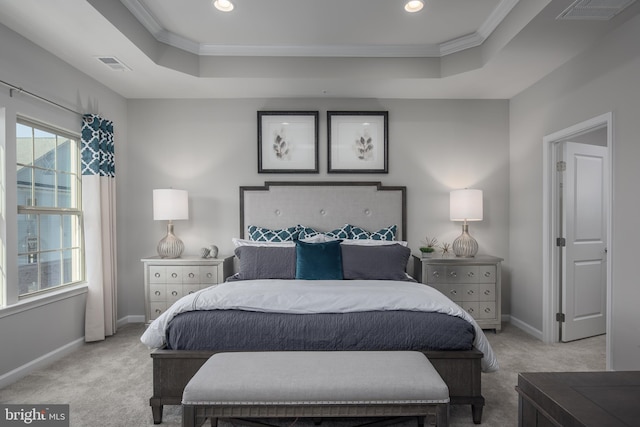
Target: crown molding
146, 18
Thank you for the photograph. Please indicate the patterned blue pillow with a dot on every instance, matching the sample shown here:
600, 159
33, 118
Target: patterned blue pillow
343, 232
261, 234
388, 233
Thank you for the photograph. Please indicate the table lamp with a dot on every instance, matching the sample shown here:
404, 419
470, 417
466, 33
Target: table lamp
465, 205
170, 204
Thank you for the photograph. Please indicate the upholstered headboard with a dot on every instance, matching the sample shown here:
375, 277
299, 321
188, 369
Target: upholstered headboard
323, 205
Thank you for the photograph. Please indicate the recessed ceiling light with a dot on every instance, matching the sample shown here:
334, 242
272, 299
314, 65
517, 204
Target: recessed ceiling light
413, 6
223, 5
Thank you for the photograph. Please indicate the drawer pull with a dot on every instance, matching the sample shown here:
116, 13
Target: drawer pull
157, 274
158, 293
487, 274
487, 292
209, 275
174, 275
158, 311
470, 310
190, 292
487, 310
435, 274
470, 274
453, 274
191, 275
470, 292
453, 292
174, 293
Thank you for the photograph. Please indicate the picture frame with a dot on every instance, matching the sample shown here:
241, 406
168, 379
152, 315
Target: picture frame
288, 142
358, 142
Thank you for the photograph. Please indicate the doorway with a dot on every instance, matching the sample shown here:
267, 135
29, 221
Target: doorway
597, 131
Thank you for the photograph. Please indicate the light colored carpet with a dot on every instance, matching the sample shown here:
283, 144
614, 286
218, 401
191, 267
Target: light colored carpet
108, 384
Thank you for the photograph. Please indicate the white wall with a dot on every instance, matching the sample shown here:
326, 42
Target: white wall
209, 147
43, 330
604, 78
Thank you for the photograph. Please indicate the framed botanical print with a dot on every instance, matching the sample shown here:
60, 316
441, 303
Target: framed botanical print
358, 141
287, 142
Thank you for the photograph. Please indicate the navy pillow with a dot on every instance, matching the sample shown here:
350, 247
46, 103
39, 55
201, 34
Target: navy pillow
319, 261
265, 262
386, 262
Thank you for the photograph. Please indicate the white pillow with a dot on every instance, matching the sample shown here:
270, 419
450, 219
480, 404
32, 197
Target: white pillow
244, 242
373, 242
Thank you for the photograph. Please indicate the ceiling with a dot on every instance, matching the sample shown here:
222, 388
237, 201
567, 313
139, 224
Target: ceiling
481, 49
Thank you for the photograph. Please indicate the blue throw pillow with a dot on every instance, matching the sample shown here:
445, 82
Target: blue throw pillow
261, 234
319, 261
387, 233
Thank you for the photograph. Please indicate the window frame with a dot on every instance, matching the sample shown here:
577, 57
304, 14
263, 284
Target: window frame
39, 211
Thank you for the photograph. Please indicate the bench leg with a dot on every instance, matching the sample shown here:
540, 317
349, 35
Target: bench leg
156, 410
188, 416
442, 415
476, 413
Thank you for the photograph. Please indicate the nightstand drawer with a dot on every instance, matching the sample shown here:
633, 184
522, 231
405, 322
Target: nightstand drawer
158, 292
174, 293
191, 274
470, 307
486, 310
486, 274
462, 274
209, 274
189, 289
435, 274
157, 308
487, 292
157, 274
174, 274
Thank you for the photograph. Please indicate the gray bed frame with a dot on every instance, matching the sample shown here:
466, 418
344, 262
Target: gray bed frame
325, 206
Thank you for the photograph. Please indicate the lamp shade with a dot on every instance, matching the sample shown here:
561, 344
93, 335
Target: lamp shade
170, 204
465, 205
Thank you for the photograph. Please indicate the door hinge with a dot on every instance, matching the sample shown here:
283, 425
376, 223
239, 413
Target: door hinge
559, 317
561, 166
561, 241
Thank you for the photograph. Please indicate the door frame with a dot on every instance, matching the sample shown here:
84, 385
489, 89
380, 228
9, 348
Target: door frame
550, 267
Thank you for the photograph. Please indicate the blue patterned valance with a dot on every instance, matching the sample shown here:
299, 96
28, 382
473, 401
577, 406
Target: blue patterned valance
98, 152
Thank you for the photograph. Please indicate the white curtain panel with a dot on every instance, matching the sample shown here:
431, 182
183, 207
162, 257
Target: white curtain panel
99, 214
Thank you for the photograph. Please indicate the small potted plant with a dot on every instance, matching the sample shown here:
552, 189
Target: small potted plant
429, 247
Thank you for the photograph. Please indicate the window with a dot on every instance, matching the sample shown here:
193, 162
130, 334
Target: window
50, 252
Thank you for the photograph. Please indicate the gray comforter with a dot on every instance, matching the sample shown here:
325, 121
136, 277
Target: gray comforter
239, 330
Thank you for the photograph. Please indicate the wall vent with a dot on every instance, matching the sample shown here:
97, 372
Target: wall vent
599, 10
113, 63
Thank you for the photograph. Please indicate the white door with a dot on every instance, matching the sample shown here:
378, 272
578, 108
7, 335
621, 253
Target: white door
584, 224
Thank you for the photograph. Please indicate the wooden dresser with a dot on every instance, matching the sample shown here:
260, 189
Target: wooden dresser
585, 399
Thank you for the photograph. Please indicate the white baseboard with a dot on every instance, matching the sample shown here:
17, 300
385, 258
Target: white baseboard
130, 319
42, 361
55, 355
536, 333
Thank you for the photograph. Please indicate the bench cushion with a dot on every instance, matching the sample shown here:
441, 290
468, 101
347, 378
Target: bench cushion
301, 377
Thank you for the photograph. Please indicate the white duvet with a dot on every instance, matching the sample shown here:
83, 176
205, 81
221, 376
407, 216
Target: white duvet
318, 296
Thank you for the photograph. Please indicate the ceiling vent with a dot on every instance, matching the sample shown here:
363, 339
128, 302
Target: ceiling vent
113, 63
600, 10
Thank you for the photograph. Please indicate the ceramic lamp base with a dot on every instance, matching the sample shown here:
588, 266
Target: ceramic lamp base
170, 246
465, 246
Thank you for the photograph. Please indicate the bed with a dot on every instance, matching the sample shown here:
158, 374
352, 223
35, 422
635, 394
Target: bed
316, 214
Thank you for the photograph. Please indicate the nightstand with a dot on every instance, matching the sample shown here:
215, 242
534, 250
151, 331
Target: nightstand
167, 280
472, 283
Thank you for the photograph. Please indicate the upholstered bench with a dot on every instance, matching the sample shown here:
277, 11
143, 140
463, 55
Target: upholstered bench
316, 384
